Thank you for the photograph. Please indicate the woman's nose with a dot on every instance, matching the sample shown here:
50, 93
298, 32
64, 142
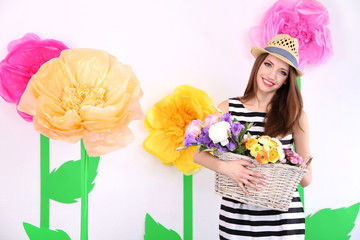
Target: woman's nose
272, 73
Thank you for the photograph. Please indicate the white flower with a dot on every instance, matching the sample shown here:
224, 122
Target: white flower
218, 133
281, 153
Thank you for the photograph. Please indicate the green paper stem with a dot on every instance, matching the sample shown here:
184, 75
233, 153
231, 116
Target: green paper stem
300, 188
84, 192
44, 174
188, 207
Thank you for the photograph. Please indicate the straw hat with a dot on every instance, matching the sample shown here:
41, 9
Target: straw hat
284, 47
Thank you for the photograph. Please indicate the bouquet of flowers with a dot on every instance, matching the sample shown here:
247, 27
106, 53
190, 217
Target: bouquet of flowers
216, 134
269, 150
222, 134
228, 140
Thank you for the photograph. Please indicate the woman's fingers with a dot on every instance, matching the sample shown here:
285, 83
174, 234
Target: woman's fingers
245, 177
246, 163
250, 184
257, 180
241, 185
250, 172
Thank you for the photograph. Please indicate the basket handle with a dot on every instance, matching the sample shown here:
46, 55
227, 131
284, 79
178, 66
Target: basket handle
306, 162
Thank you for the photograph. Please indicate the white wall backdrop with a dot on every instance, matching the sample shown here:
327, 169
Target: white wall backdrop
169, 43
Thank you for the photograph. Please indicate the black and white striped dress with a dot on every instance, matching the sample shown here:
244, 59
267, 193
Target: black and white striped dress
245, 222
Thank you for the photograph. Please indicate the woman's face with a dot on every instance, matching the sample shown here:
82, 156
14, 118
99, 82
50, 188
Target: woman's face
272, 74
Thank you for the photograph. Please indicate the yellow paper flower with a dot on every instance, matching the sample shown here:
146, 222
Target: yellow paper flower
84, 93
167, 121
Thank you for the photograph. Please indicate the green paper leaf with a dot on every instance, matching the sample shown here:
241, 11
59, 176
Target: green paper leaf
35, 233
64, 183
155, 231
330, 224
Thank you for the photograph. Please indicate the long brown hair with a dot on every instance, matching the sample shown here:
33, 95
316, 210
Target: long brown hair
285, 106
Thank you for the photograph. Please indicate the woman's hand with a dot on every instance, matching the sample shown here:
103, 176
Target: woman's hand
242, 176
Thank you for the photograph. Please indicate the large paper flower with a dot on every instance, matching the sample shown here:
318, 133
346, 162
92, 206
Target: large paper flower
25, 57
305, 20
85, 94
167, 121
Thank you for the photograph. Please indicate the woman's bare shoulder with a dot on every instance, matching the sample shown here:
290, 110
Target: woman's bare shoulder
224, 106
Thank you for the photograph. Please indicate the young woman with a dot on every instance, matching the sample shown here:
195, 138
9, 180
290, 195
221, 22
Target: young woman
272, 100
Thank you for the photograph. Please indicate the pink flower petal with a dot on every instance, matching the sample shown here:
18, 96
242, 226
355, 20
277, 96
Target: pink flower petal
305, 20
25, 57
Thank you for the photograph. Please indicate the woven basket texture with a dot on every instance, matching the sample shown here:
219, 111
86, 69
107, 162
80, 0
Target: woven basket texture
282, 181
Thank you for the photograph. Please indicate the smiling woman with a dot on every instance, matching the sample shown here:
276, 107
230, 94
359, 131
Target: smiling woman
273, 103
272, 74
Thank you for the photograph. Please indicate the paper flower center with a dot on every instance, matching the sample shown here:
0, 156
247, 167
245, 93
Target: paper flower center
298, 30
76, 98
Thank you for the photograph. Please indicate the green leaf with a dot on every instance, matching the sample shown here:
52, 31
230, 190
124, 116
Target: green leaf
202, 148
241, 150
330, 224
155, 231
35, 233
64, 183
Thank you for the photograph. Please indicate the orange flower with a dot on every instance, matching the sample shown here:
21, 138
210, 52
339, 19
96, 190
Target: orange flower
84, 93
262, 157
167, 121
273, 155
250, 142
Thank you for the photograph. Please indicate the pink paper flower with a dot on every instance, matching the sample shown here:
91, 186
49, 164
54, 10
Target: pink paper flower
25, 57
305, 20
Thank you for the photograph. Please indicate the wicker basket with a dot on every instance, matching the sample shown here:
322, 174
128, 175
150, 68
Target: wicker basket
282, 182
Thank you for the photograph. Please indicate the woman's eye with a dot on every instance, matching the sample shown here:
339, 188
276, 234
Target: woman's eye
283, 73
267, 64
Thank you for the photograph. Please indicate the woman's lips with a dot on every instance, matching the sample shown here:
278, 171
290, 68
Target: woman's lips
268, 83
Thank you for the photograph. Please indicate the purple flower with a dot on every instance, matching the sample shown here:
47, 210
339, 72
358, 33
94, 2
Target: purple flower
188, 141
288, 152
203, 137
236, 128
211, 145
220, 148
226, 118
231, 145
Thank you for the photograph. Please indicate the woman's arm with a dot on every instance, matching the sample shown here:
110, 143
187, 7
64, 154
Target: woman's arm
302, 146
233, 169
